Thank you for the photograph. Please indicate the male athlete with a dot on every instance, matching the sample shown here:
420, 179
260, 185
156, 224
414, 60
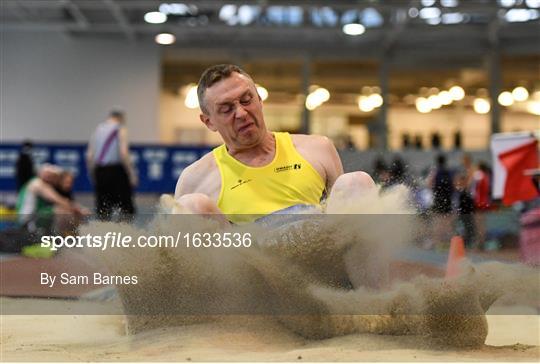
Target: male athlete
256, 172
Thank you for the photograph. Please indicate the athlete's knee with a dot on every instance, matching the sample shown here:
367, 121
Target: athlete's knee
198, 203
354, 181
363, 179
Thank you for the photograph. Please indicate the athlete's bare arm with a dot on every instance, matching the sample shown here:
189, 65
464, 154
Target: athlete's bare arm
320, 152
200, 177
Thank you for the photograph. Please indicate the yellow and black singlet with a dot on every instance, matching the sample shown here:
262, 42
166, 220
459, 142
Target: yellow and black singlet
248, 193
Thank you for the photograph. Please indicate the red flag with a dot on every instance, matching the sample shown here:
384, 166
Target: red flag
518, 186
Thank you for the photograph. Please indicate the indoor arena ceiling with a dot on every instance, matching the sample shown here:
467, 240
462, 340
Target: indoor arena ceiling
422, 41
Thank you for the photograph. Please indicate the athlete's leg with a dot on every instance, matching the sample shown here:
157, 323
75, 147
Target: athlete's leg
364, 268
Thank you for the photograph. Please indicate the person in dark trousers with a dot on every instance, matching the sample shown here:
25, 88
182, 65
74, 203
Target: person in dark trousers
110, 167
24, 166
443, 189
465, 210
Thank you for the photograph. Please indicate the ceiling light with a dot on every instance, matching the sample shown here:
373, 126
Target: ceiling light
247, 14
445, 97
457, 93
481, 106
505, 98
422, 105
519, 15
227, 12
323, 94
520, 93
434, 102
370, 17
365, 104
507, 3
430, 13
376, 100
533, 3
165, 38
449, 3
317, 97
452, 18
311, 102
191, 101
320, 95
534, 107
428, 2
177, 9
263, 93
155, 17
353, 29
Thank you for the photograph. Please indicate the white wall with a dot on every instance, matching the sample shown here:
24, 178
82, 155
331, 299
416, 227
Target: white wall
56, 88
181, 125
519, 122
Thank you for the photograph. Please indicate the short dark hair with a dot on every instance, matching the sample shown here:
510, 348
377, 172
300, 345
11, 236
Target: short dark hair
117, 114
213, 75
27, 144
484, 167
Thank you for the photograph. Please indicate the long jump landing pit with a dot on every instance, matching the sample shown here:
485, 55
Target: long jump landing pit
512, 338
102, 337
291, 272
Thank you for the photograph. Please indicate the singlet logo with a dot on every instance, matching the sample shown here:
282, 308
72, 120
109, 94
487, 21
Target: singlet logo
240, 183
288, 167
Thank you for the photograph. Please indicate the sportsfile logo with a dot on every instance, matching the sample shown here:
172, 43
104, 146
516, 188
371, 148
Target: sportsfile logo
240, 183
288, 167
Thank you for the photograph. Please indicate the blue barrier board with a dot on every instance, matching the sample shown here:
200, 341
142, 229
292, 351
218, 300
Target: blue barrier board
157, 166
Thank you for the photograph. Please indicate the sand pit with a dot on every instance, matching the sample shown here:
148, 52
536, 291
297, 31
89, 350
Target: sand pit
283, 300
512, 338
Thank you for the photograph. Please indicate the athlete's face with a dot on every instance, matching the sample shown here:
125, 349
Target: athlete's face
234, 110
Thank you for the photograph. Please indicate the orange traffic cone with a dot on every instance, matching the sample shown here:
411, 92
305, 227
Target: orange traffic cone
455, 256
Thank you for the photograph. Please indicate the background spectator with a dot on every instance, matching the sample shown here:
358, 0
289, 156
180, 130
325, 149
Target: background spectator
24, 166
482, 200
110, 167
465, 210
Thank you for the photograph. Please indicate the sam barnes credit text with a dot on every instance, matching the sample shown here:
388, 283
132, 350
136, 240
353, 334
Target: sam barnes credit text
97, 279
